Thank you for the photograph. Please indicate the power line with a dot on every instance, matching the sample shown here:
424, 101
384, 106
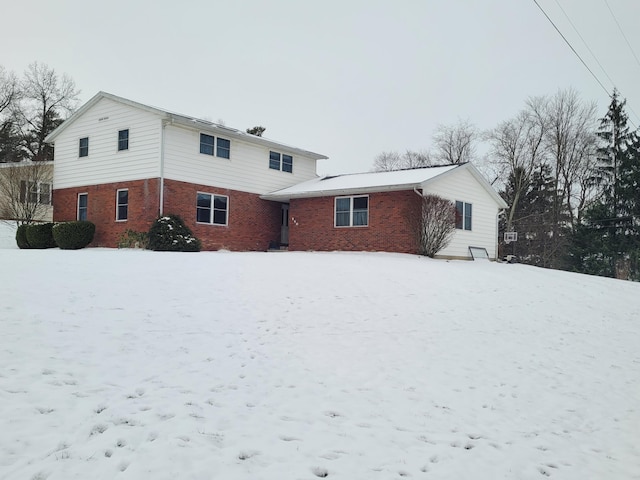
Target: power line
585, 44
622, 32
572, 49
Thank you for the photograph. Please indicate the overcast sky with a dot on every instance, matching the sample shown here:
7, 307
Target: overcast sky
348, 78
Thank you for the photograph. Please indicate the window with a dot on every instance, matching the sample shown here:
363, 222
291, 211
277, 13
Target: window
123, 140
224, 148
83, 201
209, 145
287, 163
83, 149
206, 144
274, 160
35, 192
463, 215
212, 208
282, 162
122, 205
352, 211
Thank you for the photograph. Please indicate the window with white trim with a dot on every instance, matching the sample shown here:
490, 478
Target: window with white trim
83, 203
210, 144
463, 215
352, 211
123, 139
35, 192
212, 209
83, 147
122, 204
280, 161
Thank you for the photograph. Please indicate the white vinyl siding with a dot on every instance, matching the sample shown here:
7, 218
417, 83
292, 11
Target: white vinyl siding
462, 186
102, 124
246, 169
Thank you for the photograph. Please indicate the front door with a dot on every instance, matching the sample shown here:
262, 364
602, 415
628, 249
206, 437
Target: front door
284, 229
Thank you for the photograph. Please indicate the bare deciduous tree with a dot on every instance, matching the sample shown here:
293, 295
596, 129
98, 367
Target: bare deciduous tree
455, 143
25, 191
437, 222
390, 161
47, 98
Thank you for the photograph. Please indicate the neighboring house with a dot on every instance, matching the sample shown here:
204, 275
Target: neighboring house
377, 211
25, 191
120, 164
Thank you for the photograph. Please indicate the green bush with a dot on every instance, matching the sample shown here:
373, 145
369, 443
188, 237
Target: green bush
40, 235
74, 235
169, 234
132, 239
21, 237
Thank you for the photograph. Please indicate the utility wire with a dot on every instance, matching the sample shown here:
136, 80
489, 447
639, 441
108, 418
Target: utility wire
580, 58
585, 44
622, 32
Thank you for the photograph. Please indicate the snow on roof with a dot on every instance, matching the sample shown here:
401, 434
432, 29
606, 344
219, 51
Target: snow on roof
362, 182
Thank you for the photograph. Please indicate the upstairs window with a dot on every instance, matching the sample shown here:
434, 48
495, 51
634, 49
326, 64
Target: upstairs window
83, 202
206, 144
352, 211
210, 145
122, 204
224, 148
83, 147
35, 192
282, 162
463, 215
123, 140
212, 209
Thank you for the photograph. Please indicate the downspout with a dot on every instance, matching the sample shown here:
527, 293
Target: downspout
161, 206
500, 212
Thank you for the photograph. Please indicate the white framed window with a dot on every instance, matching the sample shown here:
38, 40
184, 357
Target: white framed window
212, 209
210, 145
83, 204
83, 147
463, 215
35, 192
123, 139
352, 211
280, 161
122, 204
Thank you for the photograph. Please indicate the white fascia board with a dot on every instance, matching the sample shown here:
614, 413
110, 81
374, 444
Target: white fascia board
284, 196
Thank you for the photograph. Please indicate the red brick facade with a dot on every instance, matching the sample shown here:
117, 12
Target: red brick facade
390, 229
101, 208
252, 222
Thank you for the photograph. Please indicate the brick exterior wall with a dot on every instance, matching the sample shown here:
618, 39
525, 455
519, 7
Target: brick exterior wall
252, 222
101, 208
390, 229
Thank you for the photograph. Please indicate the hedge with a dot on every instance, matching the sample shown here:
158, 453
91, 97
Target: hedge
21, 237
74, 235
40, 235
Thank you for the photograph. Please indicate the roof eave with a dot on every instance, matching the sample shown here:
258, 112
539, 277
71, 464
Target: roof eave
337, 192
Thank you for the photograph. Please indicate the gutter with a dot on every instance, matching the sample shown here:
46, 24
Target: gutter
163, 124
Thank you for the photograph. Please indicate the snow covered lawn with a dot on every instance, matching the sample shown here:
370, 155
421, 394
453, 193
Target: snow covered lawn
143, 365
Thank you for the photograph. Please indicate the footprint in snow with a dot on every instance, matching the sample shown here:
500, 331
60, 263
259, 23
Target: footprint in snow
320, 472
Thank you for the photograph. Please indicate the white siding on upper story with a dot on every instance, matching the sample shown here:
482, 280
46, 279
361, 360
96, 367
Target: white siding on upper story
105, 164
246, 170
463, 186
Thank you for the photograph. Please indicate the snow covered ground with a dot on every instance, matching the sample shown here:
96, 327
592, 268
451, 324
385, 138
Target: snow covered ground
142, 365
7, 234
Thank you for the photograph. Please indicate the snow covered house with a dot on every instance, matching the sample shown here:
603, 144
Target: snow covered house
120, 164
376, 211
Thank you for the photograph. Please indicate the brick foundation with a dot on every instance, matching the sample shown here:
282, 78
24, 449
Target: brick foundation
311, 225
